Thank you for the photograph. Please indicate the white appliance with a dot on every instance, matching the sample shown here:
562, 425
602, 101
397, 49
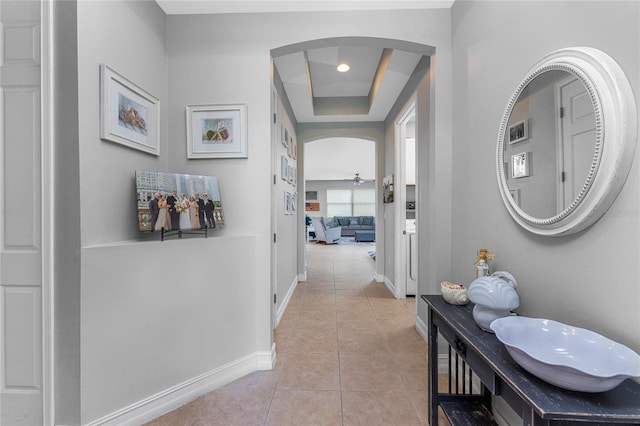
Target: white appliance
412, 258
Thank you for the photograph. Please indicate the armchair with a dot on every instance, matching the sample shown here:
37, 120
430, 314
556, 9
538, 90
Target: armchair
328, 235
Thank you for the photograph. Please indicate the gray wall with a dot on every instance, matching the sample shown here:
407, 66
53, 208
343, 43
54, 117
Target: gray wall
152, 314
106, 168
433, 177
286, 247
67, 213
590, 279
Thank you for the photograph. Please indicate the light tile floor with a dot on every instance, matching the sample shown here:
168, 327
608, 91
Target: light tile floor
347, 354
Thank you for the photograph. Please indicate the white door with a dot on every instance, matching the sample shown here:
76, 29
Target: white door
21, 342
405, 128
578, 137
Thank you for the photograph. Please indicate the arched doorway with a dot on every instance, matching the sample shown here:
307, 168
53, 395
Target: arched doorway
315, 108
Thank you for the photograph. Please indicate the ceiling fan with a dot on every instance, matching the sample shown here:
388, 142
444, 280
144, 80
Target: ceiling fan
357, 180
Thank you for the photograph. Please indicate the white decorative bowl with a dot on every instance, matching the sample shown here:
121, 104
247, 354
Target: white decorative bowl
569, 357
454, 294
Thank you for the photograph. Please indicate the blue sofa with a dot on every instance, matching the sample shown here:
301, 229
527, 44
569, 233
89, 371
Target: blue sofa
351, 224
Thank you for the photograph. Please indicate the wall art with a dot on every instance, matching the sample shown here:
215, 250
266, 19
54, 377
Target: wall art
217, 131
177, 202
387, 189
284, 136
129, 115
284, 168
518, 131
520, 165
312, 206
290, 174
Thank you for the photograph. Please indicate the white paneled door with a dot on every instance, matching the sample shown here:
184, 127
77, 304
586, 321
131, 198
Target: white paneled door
577, 138
21, 253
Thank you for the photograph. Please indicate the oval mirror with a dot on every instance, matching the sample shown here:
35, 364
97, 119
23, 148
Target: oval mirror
566, 141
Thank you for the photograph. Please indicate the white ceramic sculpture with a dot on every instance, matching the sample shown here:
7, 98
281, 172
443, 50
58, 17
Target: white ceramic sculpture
454, 294
495, 297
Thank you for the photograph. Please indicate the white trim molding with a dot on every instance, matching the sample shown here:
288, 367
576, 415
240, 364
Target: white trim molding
390, 286
286, 300
47, 183
422, 329
174, 397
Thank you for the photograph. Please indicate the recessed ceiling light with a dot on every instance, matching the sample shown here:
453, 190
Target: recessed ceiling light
343, 67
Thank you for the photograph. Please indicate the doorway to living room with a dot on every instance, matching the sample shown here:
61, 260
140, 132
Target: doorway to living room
340, 188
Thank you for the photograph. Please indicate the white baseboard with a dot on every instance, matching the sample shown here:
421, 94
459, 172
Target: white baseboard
421, 327
286, 300
172, 398
266, 360
390, 286
379, 278
443, 359
302, 277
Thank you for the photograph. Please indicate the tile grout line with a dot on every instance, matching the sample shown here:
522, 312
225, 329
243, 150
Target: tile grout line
333, 265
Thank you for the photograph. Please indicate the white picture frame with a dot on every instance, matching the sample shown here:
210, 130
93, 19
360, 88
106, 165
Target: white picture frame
284, 168
284, 136
520, 165
518, 132
217, 131
129, 115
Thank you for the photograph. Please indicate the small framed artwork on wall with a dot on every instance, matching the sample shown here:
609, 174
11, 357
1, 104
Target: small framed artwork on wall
518, 131
520, 165
217, 131
290, 174
387, 189
284, 137
284, 168
312, 206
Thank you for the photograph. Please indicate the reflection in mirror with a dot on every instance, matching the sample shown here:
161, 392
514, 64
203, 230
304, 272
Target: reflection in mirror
549, 143
566, 141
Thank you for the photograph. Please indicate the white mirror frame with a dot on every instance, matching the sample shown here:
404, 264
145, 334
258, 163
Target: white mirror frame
616, 134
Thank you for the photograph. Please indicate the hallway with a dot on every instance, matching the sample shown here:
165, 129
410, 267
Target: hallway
347, 354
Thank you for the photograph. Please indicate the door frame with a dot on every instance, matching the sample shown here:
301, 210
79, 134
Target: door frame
400, 198
48, 220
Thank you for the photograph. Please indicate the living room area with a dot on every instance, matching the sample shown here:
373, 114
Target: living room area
340, 191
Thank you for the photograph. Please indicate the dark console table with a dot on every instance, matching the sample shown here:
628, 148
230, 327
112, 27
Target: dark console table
537, 402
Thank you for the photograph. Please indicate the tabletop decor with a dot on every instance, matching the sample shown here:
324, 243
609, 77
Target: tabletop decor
587, 362
495, 297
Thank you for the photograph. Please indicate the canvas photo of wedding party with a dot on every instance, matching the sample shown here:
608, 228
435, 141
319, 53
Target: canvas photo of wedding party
172, 202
